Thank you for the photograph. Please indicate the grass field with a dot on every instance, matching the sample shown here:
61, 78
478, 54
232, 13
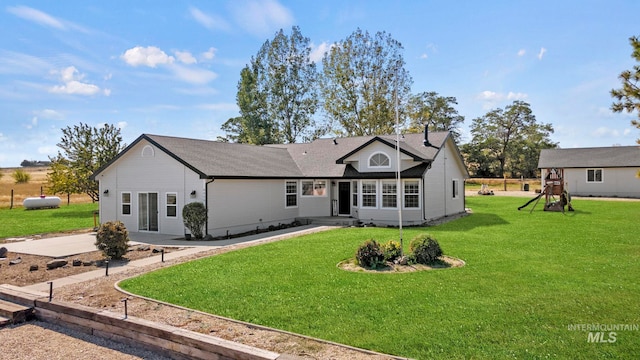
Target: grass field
528, 280
21, 222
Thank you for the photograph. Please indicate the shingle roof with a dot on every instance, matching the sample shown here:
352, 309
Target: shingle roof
318, 159
602, 157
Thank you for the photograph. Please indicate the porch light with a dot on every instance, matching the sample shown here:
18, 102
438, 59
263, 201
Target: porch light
106, 192
193, 193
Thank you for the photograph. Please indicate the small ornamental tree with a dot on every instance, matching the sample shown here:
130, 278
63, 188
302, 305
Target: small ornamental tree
194, 216
370, 255
112, 239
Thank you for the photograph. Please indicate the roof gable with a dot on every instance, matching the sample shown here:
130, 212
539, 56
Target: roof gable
404, 148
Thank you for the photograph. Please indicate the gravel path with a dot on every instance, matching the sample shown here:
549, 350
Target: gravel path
39, 340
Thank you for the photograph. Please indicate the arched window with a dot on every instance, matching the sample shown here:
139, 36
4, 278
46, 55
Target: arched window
379, 160
147, 151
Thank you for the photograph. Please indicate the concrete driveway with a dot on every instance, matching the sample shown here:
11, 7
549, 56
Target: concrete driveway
69, 245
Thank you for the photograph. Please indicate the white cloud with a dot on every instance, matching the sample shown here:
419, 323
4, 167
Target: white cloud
604, 131
193, 76
516, 96
219, 107
491, 98
209, 21
70, 76
424, 56
262, 17
209, 54
317, 52
36, 16
488, 95
150, 56
521, 52
541, 53
185, 57
49, 114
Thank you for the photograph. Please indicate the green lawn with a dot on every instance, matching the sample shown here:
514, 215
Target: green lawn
21, 222
528, 278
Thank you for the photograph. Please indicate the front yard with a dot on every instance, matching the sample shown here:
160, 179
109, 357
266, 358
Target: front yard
529, 280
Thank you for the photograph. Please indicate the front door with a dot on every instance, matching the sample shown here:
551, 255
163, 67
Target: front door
344, 198
148, 211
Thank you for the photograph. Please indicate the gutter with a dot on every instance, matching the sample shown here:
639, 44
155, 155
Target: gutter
206, 204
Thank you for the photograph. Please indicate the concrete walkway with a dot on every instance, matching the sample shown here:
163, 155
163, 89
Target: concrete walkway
190, 247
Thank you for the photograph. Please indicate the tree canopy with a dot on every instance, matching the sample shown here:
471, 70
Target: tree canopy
277, 94
628, 96
363, 77
435, 111
507, 141
84, 150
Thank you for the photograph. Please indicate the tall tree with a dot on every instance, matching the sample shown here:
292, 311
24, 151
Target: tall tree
253, 126
363, 76
84, 150
508, 140
628, 96
429, 108
277, 93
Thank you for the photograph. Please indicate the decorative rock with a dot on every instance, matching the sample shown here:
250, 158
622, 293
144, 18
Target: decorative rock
16, 261
56, 263
87, 263
76, 262
144, 248
3, 252
155, 250
33, 268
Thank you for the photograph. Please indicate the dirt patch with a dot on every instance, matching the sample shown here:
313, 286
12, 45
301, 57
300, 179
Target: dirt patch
21, 275
446, 262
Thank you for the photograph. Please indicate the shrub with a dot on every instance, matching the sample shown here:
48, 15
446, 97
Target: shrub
112, 239
391, 250
194, 216
370, 255
425, 249
21, 176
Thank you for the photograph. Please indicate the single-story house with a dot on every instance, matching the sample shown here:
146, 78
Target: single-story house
245, 187
596, 171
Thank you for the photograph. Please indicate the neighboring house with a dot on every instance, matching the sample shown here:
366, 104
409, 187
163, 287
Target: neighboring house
246, 186
599, 171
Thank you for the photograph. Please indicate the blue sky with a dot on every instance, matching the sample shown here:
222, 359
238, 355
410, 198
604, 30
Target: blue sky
171, 67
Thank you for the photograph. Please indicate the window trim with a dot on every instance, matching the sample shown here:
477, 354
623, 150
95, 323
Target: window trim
287, 193
167, 205
354, 193
314, 183
455, 191
379, 166
595, 171
363, 193
404, 194
122, 203
382, 193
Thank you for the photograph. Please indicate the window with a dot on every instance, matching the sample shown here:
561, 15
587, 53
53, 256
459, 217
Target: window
354, 194
369, 197
389, 194
455, 184
291, 193
379, 160
172, 204
126, 203
412, 194
594, 175
314, 187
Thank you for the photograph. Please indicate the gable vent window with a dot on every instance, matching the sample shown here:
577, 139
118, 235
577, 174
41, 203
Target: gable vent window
594, 175
379, 160
147, 151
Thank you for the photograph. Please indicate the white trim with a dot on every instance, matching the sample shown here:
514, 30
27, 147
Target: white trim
286, 194
595, 170
418, 194
122, 203
166, 205
143, 153
455, 188
355, 186
362, 194
314, 188
379, 166
382, 193
350, 196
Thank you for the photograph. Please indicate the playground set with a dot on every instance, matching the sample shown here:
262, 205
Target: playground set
553, 186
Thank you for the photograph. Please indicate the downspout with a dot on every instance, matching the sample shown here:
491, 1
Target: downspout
206, 204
